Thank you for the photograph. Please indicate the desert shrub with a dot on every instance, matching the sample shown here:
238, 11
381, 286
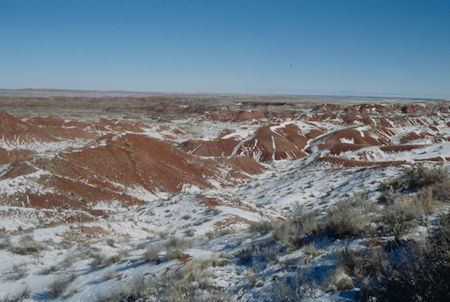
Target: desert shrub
414, 179
101, 260
261, 227
340, 280
5, 243
70, 260
152, 253
245, 256
292, 289
18, 272
23, 294
349, 218
110, 242
289, 232
49, 269
363, 265
97, 261
426, 201
441, 191
420, 176
218, 260
174, 255
415, 271
26, 246
190, 283
174, 246
175, 243
58, 287
400, 217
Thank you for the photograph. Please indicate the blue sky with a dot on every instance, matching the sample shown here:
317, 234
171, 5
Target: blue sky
393, 48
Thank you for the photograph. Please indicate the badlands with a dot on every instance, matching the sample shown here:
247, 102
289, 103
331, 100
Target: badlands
216, 197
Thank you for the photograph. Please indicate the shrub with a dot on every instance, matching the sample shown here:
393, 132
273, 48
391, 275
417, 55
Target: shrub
5, 243
174, 255
400, 217
245, 256
152, 253
415, 272
26, 246
23, 294
18, 272
261, 227
101, 260
441, 191
289, 232
419, 177
58, 287
415, 178
110, 242
340, 279
49, 269
350, 218
292, 289
177, 243
191, 283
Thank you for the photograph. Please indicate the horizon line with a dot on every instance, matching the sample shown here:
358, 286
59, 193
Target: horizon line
281, 94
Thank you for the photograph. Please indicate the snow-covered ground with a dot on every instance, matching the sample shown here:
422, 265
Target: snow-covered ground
108, 255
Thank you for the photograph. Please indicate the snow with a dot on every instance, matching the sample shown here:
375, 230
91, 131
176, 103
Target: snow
274, 195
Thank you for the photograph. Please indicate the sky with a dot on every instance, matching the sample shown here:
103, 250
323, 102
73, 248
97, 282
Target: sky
389, 48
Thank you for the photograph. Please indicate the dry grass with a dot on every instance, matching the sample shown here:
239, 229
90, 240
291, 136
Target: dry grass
261, 227
404, 270
289, 232
26, 246
22, 295
18, 272
58, 287
190, 283
152, 253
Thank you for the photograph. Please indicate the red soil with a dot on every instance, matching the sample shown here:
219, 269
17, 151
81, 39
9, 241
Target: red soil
400, 148
7, 157
233, 116
216, 148
13, 129
352, 134
288, 144
412, 136
50, 120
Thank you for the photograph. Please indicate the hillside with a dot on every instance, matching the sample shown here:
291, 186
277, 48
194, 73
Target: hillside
249, 200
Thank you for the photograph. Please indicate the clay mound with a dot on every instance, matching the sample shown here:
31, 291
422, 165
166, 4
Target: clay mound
352, 136
374, 108
51, 120
400, 148
216, 148
283, 143
314, 133
412, 136
245, 164
55, 127
234, 116
13, 130
69, 133
243, 116
105, 173
140, 160
327, 108
16, 169
12, 156
414, 109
